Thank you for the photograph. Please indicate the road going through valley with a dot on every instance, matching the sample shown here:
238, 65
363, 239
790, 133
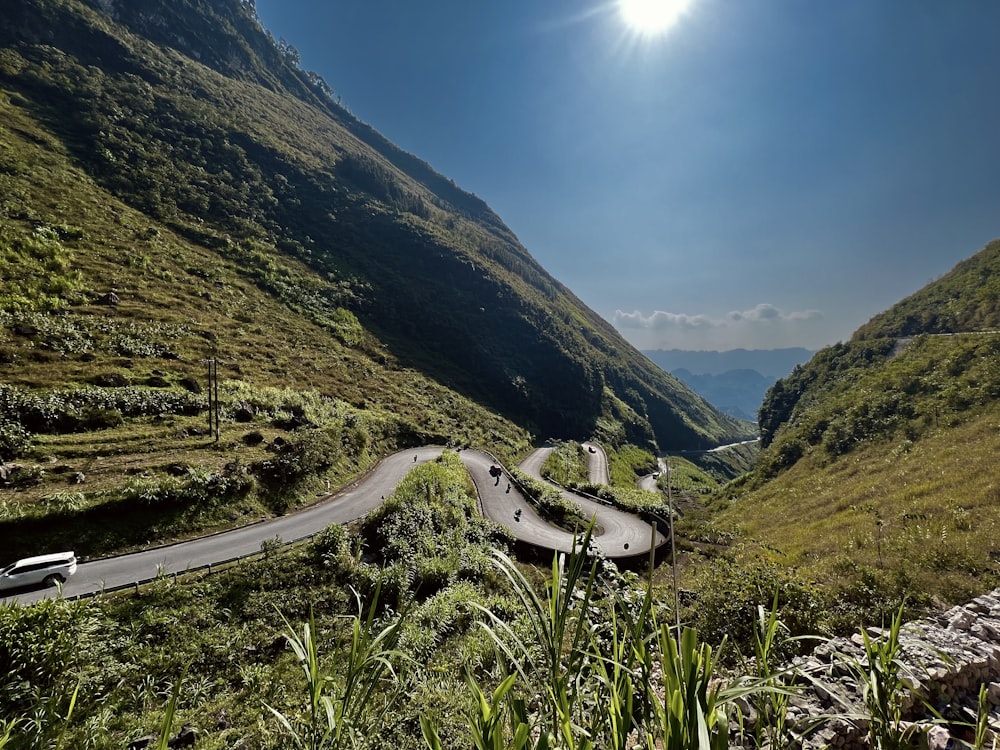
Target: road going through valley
623, 535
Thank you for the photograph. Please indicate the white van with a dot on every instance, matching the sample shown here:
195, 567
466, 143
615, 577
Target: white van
45, 569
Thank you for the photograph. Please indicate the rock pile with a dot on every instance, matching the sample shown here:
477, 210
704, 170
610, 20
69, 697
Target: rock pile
946, 660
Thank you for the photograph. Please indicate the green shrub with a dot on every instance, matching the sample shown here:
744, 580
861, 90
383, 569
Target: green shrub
67, 410
40, 649
19, 475
728, 592
566, 465
102, 419
294, 461
631, 499
198, 487
14, 440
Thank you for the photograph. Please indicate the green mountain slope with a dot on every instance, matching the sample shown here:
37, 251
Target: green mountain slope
191, 115
174, 189
878, 462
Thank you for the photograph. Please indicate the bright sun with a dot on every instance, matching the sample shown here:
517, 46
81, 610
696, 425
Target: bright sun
650, 17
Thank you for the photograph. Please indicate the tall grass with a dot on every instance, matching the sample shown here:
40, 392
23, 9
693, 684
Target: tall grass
597, 672
341, 710
550, 663
881, 675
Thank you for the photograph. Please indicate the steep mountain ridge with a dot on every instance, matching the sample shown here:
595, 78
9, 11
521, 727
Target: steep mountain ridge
189, 113
964, 305
877, 474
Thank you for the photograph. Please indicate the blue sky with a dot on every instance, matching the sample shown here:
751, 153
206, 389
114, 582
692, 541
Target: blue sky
765, 173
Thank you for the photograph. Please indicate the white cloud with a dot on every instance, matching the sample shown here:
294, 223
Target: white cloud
765, 312
661, 321
763, 326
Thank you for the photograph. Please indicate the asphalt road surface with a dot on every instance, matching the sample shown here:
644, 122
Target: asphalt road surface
621, 534
597, 463
500, 500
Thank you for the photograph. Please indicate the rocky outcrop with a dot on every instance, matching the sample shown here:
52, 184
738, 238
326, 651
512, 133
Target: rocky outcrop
944, 662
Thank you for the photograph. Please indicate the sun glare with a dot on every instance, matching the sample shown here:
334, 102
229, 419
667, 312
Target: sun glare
651, 17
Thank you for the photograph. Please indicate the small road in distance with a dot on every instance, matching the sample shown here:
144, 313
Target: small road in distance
597, 463
622, 534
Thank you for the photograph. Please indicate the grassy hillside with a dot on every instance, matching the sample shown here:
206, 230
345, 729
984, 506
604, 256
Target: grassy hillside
877, 477
173, 189
190, 115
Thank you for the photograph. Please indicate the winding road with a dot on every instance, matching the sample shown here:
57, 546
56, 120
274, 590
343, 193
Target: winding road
597, 463
623, 535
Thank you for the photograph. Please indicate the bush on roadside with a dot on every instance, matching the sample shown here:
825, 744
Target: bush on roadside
198, 487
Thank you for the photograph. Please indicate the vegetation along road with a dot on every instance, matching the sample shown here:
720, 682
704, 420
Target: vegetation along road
621, 535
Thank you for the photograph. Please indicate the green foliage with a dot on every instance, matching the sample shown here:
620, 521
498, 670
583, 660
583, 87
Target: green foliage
497, 722
587, 661
550, 661
14, 440
566, 464
858, 394
883, 677
42, 649
91, 407
929, 359
374, 177
199, 487
729, 593
687, 477
550, 502
831, 368
965, 299
627, 463
580, 661
692, 714
166, 726
430, 531
342, 710
56, 333
771, 644
630, 499
101, 419
285, 404
43, 263
727, 464
68, 334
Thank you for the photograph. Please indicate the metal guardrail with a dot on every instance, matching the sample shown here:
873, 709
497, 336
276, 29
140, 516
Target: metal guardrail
207, 567
220, 564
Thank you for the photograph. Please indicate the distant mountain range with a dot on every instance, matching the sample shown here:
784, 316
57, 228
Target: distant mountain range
733, 381
771, 363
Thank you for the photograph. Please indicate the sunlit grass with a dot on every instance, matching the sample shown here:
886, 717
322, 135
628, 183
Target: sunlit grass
927, 509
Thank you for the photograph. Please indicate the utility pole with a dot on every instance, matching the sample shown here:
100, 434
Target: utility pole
215, 377
673, 552
213, 398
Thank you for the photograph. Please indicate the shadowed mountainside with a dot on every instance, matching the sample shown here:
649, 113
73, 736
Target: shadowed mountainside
193, 117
